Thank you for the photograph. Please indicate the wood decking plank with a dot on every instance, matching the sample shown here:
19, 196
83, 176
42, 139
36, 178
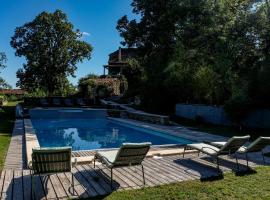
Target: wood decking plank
57, 186
165, 172
27, 184
18, 185
125, 177
154, 175
186, 170
178, 169
99, 177
8, 185
116, 178
149, 177
16, 152
66, 184
137, 173
158, 172
38, 190
200, 170
91, 181
88, 188
128, 176
173, 169
2, 179
47, 187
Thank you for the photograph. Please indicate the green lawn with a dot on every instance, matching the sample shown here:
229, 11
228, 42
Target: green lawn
7, 117
252, 186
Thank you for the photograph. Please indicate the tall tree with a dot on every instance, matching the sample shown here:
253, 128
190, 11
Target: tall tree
201, 51
3, 60
52, 49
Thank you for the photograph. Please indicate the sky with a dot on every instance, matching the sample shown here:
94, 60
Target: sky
96, 18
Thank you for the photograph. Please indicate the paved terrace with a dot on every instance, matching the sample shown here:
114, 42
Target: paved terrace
15, 179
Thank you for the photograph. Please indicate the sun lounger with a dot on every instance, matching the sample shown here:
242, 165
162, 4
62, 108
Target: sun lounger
44, 102
56, 102
257, 145
230, 147
69, 102
129, 154
81, 102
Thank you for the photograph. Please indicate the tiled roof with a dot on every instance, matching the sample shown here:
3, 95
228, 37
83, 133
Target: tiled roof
12, 91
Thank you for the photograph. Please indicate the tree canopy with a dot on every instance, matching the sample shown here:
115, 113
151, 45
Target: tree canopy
3, 60
52, 49
201, 51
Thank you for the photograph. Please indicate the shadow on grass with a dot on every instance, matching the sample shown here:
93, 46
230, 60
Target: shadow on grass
249, 171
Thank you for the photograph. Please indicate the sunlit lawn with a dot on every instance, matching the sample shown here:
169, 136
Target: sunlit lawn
252, 186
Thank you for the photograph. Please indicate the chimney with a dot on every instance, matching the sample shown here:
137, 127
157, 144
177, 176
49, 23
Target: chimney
119, 54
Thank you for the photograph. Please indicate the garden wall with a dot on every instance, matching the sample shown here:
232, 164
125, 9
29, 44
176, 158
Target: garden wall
216, 115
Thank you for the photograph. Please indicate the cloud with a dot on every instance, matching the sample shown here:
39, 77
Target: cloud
85, 34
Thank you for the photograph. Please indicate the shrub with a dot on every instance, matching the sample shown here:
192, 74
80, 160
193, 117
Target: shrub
3, 100
237, 107
12, 98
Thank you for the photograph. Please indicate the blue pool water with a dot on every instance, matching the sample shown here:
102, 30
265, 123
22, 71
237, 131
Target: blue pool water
93, 133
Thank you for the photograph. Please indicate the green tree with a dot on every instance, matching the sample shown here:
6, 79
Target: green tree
51, 48
201, 51
3, 60
87, 85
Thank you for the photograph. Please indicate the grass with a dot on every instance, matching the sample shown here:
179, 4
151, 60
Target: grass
251, 186
7, 117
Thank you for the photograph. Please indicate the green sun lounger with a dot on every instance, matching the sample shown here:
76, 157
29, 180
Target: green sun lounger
230, 147
257, 145
129, 154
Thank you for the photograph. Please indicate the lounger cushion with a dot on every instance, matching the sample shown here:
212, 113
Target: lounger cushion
242, 149
108, 155
218, 144
205, 148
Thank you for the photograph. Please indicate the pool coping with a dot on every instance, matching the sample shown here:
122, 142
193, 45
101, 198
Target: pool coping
31, 139
174, 130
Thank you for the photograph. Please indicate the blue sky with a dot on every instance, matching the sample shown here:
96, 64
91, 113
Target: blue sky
96, 17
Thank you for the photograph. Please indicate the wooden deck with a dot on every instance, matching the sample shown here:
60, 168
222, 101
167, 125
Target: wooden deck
15, 158
90, 182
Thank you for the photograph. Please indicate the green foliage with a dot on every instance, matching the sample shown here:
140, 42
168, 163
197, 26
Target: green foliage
12, 98
238, 106
133, 77
201, 52
86, 86
3, 60
104, 91
36, 93
52, 49
3, 100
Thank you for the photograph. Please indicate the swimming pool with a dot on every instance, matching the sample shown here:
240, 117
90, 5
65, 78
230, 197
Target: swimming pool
57, 128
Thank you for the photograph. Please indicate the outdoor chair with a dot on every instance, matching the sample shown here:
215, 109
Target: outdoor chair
56, 102
129, 154
69, 102
50, 161
257, 145
44, 102
81, 102
229, 148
